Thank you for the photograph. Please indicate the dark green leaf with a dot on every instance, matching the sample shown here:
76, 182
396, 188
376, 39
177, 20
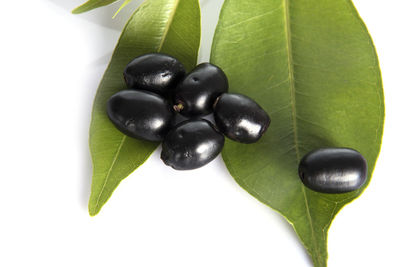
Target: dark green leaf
312, 65
166, 26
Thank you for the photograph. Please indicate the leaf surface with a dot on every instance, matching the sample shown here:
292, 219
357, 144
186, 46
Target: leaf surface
312, 66
166, 26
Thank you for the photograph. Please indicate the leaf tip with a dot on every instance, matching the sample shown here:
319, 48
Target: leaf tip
93, 213
93, 210
77, 10
121, 7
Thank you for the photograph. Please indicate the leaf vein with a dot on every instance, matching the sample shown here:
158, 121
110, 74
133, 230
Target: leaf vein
252, 18
294, 116
168, 25
110, 170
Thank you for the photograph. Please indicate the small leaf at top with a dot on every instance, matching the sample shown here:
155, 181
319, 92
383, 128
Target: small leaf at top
312, 65
92, 4
167, 26
122, 7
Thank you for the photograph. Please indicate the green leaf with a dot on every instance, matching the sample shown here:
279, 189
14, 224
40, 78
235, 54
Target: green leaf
166, 26
92, 4
312, 65
122, 7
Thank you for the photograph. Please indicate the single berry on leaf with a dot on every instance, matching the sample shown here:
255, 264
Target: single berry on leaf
157, 73
196, 93
140, 114
191, 144
240, 118
333, 170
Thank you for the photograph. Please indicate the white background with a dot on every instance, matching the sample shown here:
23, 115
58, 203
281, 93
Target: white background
50, 66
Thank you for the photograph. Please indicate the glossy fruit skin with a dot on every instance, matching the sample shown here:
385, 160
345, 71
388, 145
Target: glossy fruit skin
157, 73
240, 118
333, 170
197, 92
191, 144
140, 114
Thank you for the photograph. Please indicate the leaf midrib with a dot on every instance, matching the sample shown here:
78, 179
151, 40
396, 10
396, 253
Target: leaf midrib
294, 113
122, 142
168, 25
110, 170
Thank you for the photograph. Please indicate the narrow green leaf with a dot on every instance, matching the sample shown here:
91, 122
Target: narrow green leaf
312, 65
92, 4
166, 26
122, 7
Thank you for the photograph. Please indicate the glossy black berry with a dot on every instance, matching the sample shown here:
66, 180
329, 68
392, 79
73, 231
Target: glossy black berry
240, 118
157, 73
196, 94
191, 144
333, 170
140, 114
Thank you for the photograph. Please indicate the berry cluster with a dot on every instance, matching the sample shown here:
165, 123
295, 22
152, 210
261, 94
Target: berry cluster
160, 90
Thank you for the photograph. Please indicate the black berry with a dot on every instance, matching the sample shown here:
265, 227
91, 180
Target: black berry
191, 144
157, 73
333, 170
240, 118
140, 114
196, 94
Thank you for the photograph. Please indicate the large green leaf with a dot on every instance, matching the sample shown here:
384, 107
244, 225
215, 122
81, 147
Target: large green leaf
312, 65
166, 26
